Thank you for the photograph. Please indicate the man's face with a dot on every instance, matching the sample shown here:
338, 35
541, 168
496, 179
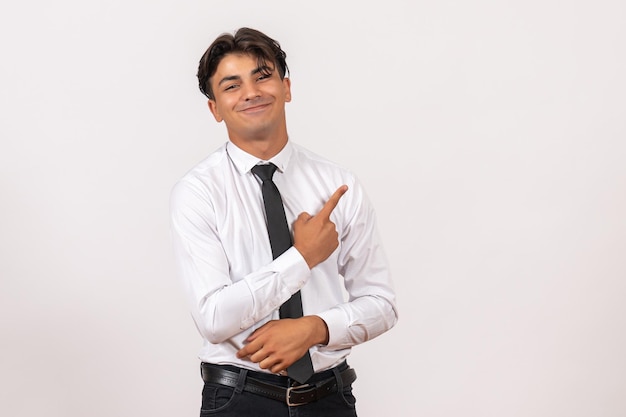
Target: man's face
251, 104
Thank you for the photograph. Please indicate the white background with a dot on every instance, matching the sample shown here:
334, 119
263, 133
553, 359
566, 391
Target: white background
490, 136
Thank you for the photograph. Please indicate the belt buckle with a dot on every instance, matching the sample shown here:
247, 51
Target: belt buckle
288, 396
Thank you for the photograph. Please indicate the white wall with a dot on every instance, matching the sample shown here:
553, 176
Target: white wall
490, 136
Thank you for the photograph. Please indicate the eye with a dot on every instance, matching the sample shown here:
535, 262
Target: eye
231, 87
264, 76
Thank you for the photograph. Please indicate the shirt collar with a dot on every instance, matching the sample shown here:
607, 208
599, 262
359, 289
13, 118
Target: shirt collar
244, 162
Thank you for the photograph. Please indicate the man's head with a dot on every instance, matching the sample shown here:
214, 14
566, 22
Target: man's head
244, 76
246, 41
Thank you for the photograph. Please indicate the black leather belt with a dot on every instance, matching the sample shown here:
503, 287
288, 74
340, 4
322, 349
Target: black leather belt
293, 396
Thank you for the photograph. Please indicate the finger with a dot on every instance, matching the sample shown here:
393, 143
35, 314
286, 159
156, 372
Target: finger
271, 364
249, 349
259, 356
259, 332
279, 368
243, 352
304, 216
332, 202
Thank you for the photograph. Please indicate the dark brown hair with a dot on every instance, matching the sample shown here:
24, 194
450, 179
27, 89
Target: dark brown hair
244, 41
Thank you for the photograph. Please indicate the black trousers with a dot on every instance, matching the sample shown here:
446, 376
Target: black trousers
224, 401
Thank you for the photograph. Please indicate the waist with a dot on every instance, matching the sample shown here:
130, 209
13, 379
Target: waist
280, 388
226, 353
275, 379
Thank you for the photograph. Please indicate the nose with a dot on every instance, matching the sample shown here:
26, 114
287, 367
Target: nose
251, 91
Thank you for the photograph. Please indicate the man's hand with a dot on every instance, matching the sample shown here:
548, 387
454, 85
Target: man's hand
279, 343
316, 237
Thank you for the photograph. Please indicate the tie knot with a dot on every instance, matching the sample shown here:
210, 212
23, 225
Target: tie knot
264, 172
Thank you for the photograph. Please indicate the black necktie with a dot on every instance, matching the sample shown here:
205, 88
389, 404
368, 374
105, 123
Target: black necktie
280, 240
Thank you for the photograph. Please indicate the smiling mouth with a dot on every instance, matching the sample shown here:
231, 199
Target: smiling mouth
253, 107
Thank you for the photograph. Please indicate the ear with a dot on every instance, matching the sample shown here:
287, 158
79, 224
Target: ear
213, 107
287, 86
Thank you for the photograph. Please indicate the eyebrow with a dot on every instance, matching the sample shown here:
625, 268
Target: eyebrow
237, 77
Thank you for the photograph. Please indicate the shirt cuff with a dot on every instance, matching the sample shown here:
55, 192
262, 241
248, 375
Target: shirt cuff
293, 269
335, 320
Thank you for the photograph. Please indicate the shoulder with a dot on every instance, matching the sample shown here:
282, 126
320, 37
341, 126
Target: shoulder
307, 159
201, 177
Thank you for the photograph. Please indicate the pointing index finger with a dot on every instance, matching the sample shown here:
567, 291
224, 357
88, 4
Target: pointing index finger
332, 202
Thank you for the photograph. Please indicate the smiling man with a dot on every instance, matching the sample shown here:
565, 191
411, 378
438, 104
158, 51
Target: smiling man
277, 249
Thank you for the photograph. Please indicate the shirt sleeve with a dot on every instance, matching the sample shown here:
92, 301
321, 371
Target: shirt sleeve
371, 307
222, 308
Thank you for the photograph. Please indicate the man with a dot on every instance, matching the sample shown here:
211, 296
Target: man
256, 361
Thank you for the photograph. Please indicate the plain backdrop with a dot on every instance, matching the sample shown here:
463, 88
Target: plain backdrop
490, 135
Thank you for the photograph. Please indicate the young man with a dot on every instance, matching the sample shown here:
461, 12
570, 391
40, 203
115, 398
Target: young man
255, 356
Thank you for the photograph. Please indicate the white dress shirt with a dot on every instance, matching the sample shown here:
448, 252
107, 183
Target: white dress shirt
225, 261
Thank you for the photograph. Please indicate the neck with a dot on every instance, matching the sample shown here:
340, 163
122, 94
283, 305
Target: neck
263, 148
